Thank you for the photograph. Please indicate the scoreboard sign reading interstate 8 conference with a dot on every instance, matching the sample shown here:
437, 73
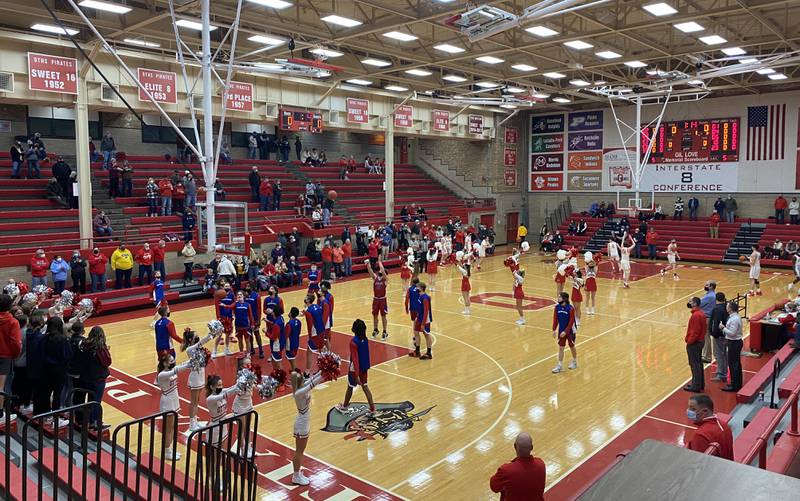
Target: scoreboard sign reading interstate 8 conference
692, 141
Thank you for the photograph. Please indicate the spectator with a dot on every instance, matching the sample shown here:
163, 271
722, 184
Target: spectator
327, 261
298, 147
323, 159
277, 190
254, 180
558, 239
252, 146
97, 270
347, 258
55, 356
313, 157
17, 156
77, 267
159, 253
93, 359
284, 148
144, 258
404, 213
522, 233
695, 335
369, 167
299, 205
730, 209
263, 146
719, 207
188, 252
21, 386
277, 253
572, 229
707, 307
716, 322
693, 204
32, 157
305, 157
639, 239
165, 188
10, 342
351, 164
127, 178
327, 210
316, 217
794, 211
61, 171
189, 222
225, 153
713, 225
343, 169
710, 429
338, 261
107, 148
56, 194
423, 216
312, 253
733, 342
190, 187
152, 197
294, 272
652, 241
226, 270
264, 194
522, 479
59, 269
678, 209
780, 209
791, 248
122, 264
219, 191
102, 225
178, 198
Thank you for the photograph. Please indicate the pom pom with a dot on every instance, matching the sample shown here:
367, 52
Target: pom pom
199, 358
12, 289
587, 256
86, 305
328, 364
43, 291
245, 380
97, 305
30, 297
460, 256
23, 288
279, 375
438, 245
561, 254
267, 388
66, 299
215, 327
525, 246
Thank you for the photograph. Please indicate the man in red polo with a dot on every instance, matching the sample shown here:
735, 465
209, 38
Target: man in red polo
695, 337
523, 478
710, 429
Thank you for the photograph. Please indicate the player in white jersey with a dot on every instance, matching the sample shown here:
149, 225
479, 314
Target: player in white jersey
755, 272
672, 259
625, 261
796, 267
197, 376
167, 381
301, 390
613, 254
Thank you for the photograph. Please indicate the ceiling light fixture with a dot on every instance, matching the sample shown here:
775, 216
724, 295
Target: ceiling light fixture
695, 82
358, 81
554, 75
607, 54
487, 85
490, 59
56, 30
326, 52
515, 90
114, 8
266, 40
561, 100
192, 25
541, 95
454, 78
712, 40
734, 51
274, 4
396, 88
141, 43
689, 27
524, 67
578, 44
659, 9
376, 62
748, 60
340, 21
419, 73
509, 106
635, 64
450, 49
541, 31
777, 76
400, 36
579, 83
765, 71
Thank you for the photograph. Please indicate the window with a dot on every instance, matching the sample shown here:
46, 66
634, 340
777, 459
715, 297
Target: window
164, 133
59, 128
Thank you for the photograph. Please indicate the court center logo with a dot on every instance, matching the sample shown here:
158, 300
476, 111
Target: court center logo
386, 419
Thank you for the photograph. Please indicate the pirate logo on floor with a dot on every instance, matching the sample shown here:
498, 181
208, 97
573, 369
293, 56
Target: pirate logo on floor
387, 418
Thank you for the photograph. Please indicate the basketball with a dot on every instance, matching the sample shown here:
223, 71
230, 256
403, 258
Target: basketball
332, 194
742, 258
305, 281
525, 246
219, 294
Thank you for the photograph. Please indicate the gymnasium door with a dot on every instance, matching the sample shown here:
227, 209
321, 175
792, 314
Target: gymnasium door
487, 220
512, 223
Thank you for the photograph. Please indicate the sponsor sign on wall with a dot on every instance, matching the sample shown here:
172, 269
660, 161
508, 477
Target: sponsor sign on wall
240, 97
404, 116
578, 141
441, 120
541, 163
475, 124
52, 73
615, 162
509, 157
547, 124
161, 85
585, 181
585, 160
544, 144
357, 111
510, 177
511, 135
585, 120
546, 182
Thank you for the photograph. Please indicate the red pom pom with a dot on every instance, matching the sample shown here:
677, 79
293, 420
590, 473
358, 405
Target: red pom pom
328, 364
207, 354
23, 288
279, 375
257, 372
97, 305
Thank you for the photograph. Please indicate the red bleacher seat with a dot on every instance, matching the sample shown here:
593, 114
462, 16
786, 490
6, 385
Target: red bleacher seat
745, 440
751, 388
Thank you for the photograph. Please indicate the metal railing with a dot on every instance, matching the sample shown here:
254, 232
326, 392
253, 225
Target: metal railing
559, 214
759, 448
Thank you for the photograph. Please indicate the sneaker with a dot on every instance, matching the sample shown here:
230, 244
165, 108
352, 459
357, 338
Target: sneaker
676, 277
465, 312
791, 286
520, 321
413, 353
62, 423
300, 479
557, 369
384, 335
344, 410
227, 352
426, 356
663, 272
172, 455
573, 365
214, 354
374, 332
758, 293
26, 409
261, 353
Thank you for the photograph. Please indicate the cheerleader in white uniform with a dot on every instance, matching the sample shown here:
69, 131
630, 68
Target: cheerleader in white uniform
302, 424
576, 297
447, 249
431, 267
590, 284
217, 403
466, 286
519, 294
167, 381
243, 402
755, 272
406, 268
197, 377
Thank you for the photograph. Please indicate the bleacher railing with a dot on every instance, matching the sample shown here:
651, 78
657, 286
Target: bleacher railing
559, 214
759, 448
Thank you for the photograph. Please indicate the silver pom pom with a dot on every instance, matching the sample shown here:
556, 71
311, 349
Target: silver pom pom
245, 380
66, 298
215, 327
30, 297
12, 290
198, 359
268, 387
86, 305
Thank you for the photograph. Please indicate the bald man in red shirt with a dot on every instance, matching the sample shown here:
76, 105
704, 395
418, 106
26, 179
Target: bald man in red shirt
523, 478
710, 428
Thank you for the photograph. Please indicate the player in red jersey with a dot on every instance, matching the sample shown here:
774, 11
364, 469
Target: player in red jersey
379, 303
519, 294
463, 268
431, 267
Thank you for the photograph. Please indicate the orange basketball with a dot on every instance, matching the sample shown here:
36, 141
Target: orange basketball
219, 294
742, 258
305, 281
332, 194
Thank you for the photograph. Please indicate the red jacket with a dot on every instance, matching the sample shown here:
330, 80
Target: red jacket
144, 257
713, 430
265, 188
165, 188
714, 219
327, 254
523, 479
698, 325
97, 264
158, 254
39, 266
179, 193
781, 203
10, 336
651, 238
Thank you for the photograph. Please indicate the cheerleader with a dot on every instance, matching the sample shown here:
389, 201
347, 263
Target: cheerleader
217, 405
480, 249
406, 268
577, 297
301, 390
431, 266
560, 277
197, 376
463, 268
447, 249
243, 401
167, 381
519, 295
591, 284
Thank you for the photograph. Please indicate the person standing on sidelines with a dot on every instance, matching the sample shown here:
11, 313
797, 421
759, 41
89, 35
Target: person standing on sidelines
564, 331
613, 254
625, 262
379, 303
466, 287
672, 260
577, 297
316, 326
652, 243
165, 332
359, 365
716, 321
292, 335
253, 299
695, 336
707, 303
524, 477
591, 284
755, 272
431, 266
422, 324
733, 339
406, 269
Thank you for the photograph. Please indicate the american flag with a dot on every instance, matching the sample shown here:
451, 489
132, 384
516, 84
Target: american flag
766, 131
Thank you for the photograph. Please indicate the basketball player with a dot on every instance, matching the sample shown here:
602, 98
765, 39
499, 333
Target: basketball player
165, 333
564, 331
379, 303
625, 262
167, 381
422, 324
432, 261
519, 294
591, 285
463, 268
316, 326
672, 259
271, 300
755, 272
325, 298
157, 293
225, 316
292, 334
796, 267
359, 365
613, 254
313, 279
406, 268
243, 321
254, 301
412, 301
197, 377
275, 331
577, 297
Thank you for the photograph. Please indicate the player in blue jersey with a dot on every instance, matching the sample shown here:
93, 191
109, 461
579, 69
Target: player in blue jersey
313, 279
277, 336
315, 321
325, 298
165, 333
292, 333
157, 293
225, 297
271, 300
412, 303
243, 320
359, 366
254, 300
422, 324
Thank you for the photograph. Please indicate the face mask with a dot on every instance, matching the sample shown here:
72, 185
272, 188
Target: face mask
217, 391
692, 415
172, 365
58, 259
705, 288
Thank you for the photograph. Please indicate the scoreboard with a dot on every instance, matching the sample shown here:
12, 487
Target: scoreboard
299, 120
691, 141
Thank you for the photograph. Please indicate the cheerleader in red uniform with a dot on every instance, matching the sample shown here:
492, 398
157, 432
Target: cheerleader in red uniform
463, 268
577, 297
432, 265
406, 268
560, 277
591, 283
519, 295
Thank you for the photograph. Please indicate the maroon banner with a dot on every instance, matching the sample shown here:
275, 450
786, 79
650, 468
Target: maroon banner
357, 111
512, 134
547, 162
52, 73
509, 157
404, 116
546, 182
161, 85
441, 120
476, 124
240, 97
510, 177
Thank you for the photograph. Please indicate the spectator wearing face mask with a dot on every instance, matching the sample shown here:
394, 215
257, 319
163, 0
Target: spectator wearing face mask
59, 269
144, 258
97, 270
794, 211
39, 268
77, 266
122, 264
695, 337
710, 429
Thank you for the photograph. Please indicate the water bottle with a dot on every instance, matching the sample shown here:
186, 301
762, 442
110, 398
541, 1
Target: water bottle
760, 396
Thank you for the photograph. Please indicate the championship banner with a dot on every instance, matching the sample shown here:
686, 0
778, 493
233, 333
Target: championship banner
545, 144
546, 182
52, 73
509, 157
475, 124
547, 124
240, 97
511, 135
585, 181
585, 120
357, 111
585, 160
441, 120
404, 116
547, 163
161, 85
615, 163
579, 141
691, 178
510, 178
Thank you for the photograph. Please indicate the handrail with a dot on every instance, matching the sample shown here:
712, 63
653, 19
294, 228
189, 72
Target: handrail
713, 449
760, 445
776, 370
449, 180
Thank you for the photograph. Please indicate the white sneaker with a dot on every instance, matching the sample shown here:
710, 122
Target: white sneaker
214, 354
26, 409
172, 455
557, 369
663, 272
465, 312
193, 425
578, 322
227, 352
791, 286
300, 479
573, 364
520, 321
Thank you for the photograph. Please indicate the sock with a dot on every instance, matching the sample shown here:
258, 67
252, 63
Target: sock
416, 349
428, 351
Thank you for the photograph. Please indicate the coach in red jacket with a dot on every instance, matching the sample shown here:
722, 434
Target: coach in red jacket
695, 338
523, 478
159, 252
39, 268
710, 429
10, 341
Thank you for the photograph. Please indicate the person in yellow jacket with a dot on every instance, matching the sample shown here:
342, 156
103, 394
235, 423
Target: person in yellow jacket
522, 232
122, 264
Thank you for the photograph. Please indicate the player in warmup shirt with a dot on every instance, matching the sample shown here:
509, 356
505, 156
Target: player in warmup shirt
225, 316
380, 305
755, 271
613, 254
254, 301
564, 331
796, 267
672, 259
431, 266
165, 333
197, 377
325, 298
359, 365
591, 284
313, 279
625, 261
412, 301
406, 268
217, 404
422, 324
167, 382
157, 293
466, 286
292, 334
275, 331
315, 322
577, 296
519, 294
243, 321
271, 300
